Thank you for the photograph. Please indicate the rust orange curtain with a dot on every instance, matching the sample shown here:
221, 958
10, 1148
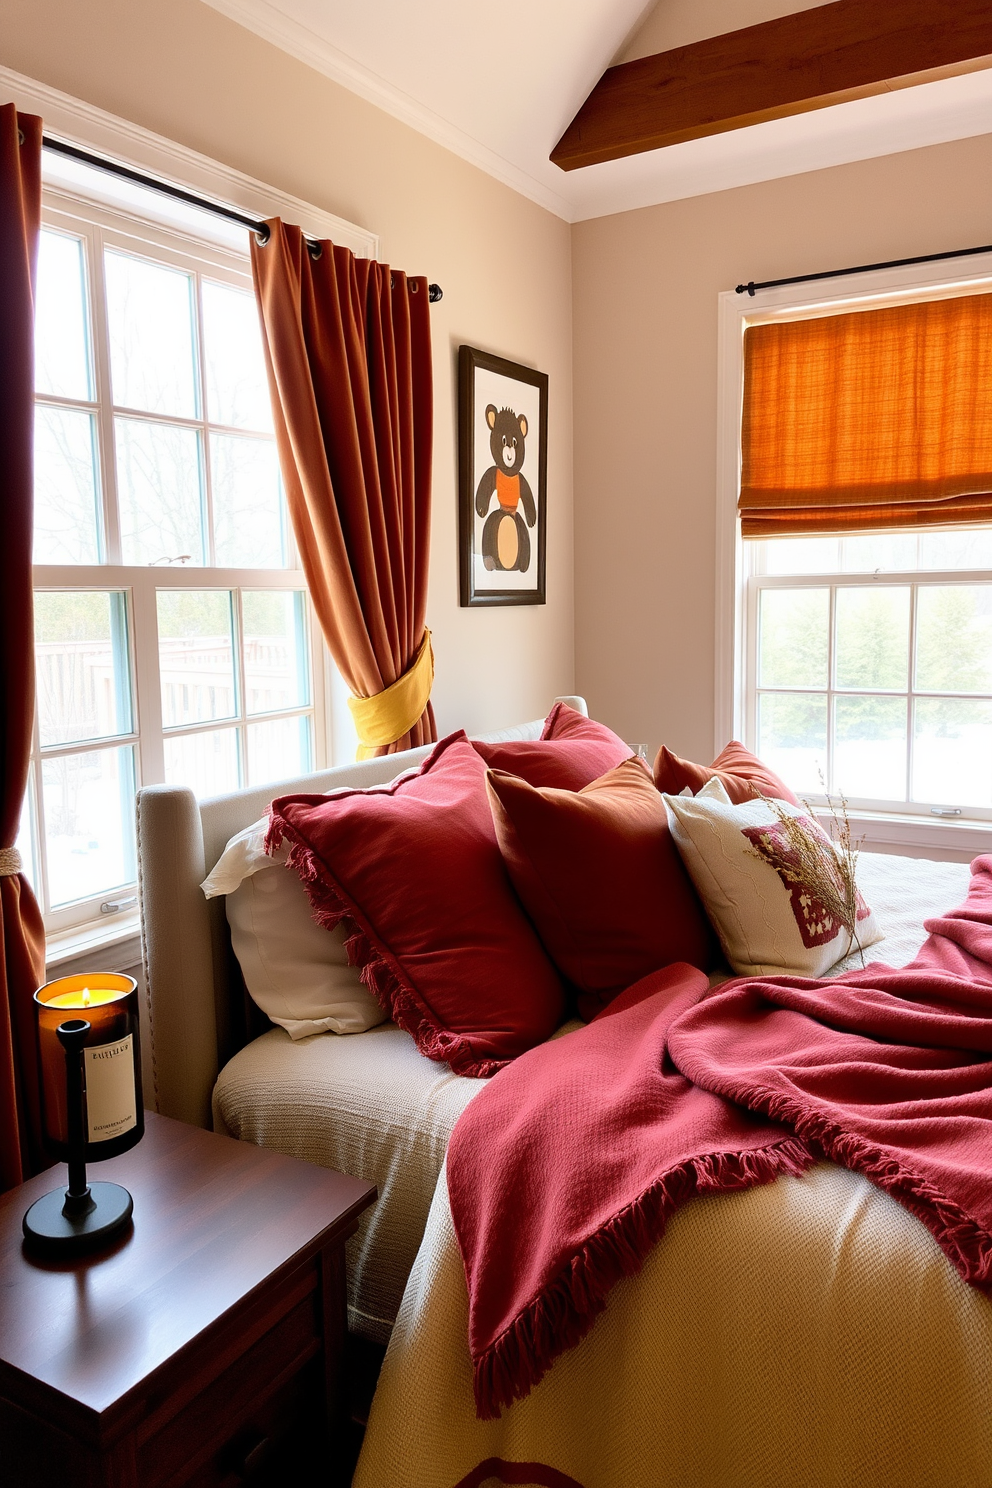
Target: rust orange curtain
348, 347
23, 937
876, 418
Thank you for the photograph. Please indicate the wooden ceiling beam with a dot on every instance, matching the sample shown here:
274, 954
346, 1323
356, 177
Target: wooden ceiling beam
831, 54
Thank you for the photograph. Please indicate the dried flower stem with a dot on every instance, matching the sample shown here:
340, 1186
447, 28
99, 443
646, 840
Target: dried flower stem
804, 861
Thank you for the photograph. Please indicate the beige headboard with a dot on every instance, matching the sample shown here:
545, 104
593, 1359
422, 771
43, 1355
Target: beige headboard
192, 1018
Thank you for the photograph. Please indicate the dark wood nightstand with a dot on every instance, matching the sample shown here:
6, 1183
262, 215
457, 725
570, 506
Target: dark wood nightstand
213, 1331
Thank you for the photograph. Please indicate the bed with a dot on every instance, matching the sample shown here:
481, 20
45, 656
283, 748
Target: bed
368, 1104
805, 1332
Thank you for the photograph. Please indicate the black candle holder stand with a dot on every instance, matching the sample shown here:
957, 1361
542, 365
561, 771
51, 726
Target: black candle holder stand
84, 1216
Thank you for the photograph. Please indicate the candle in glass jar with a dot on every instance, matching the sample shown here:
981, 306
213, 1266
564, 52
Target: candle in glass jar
114, 1119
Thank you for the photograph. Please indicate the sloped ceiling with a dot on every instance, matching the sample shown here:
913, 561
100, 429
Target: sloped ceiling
499, 85
675, 23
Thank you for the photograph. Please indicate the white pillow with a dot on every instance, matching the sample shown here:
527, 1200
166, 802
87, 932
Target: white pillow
768, 923
296, 971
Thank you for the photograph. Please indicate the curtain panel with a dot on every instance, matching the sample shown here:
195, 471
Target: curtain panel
22, 965
874, 418
348, 349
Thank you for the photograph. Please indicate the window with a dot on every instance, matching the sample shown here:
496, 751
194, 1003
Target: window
871, 659
174, 640
859, 663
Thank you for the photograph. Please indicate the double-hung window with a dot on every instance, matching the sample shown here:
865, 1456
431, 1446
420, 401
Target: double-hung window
861, 657
871, 660
174, 637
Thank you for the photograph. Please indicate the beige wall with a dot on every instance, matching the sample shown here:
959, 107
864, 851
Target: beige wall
637, 292
645, 287
183, 70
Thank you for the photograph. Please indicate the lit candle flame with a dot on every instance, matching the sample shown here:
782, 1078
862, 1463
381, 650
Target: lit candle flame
86, 997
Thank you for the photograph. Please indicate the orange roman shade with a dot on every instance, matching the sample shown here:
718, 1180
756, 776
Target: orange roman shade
876, 418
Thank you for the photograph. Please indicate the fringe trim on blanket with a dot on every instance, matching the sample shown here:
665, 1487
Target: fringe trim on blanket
564, 1312
395, 996
965, 1243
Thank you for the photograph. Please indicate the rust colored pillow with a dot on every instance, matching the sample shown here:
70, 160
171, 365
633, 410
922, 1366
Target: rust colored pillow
571, 752
564, 722
735, 767
414, 869
601, 878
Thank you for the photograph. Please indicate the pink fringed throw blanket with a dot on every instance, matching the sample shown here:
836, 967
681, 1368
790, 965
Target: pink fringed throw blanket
564, 1171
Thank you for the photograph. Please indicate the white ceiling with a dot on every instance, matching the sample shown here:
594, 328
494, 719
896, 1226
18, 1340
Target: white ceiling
498, 86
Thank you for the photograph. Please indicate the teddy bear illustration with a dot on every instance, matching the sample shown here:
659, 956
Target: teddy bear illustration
505, 539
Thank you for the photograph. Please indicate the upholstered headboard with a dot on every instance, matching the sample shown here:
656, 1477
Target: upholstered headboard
193, 1015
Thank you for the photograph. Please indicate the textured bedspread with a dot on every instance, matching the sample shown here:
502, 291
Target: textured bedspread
805, 1333
564, 1171
371, 1105
809, 1334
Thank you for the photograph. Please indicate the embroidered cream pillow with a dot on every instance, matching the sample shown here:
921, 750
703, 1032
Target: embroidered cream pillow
758, 891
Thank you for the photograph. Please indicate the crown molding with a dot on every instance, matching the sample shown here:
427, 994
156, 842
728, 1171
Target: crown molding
272, 25
81, 123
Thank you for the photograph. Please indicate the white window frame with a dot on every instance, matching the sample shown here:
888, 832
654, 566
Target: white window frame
893, 830
98, 228
170, 223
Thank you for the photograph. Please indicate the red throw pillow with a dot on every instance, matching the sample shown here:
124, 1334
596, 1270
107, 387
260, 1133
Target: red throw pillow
736, 767
571, 752
564, 722
438, 932
600, 876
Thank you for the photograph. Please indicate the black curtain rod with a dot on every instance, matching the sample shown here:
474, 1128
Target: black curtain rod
895, 263
261, 231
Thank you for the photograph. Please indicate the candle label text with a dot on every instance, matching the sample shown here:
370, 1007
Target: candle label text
110, 1104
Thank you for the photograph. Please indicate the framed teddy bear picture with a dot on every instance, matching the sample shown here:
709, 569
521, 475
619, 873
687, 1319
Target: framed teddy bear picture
503, 472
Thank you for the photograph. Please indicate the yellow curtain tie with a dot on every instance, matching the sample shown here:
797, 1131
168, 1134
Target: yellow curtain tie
388, 715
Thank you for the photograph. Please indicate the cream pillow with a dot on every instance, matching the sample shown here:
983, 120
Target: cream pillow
768, 917
295, 971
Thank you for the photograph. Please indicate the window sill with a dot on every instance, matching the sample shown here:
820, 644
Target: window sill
917, 837
84, 941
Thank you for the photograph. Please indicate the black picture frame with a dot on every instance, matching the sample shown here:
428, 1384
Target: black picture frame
495, 527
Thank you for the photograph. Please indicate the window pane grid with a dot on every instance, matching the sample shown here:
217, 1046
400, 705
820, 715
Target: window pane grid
77, 831
890, 556
914, 610
207, 517
238, 756
154, 353
85, 746
63, 334
124, 410
88, 802
180, 730
203, 545
85, 405
831, 674
910, 747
